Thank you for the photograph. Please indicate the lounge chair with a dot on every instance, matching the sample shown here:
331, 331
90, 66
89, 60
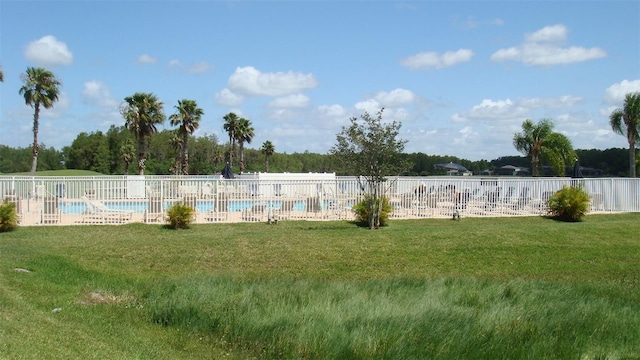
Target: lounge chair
98, 213
255, 213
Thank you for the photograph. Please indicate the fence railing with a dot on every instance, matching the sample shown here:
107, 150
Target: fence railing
121, 199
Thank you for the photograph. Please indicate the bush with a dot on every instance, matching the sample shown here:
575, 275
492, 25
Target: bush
570, 203
8, 216
180, 215
362, 210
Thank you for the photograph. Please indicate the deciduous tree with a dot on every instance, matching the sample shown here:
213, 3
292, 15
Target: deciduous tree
371, 148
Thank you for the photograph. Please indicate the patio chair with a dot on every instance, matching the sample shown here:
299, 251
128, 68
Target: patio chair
255, 213
220, 210
98, 213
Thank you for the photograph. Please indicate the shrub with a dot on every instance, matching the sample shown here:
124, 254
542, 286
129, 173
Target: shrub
570, 203
8, 216
180, 215
362, 211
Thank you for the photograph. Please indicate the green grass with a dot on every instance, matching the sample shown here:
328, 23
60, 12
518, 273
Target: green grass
476, 288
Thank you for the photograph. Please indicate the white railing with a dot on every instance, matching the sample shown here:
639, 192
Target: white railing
120, 199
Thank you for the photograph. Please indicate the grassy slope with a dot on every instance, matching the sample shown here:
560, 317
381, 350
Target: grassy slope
103, 277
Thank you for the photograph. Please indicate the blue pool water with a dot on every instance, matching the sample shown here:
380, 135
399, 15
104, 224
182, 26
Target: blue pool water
73, 207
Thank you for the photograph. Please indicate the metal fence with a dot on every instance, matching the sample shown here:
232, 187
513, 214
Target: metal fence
123, 199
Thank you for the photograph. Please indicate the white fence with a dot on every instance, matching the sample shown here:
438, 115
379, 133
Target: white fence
121, 199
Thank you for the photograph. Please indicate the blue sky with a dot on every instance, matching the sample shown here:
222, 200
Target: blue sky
461, 76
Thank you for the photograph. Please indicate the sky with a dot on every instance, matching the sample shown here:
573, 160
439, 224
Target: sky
459, 76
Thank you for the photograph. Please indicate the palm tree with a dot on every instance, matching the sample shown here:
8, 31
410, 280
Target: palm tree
267, 149
244, 133
626, 121
1, 75
142, 112
175, 141
128, 152
540, 142
188, 118
231, 127
40, 88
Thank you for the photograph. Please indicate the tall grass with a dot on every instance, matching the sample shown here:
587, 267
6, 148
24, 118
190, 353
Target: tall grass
389, 319
477, 288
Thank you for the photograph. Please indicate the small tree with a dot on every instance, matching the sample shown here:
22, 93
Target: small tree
371, 148
540, 143
267, 149
626, 121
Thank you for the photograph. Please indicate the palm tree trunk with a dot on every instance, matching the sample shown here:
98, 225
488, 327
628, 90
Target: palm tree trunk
534, 164
241, 157
185, 154
34, 162
141, 157
632, 159
266, 164
231, 148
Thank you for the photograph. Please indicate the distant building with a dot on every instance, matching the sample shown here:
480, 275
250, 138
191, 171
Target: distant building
510, 170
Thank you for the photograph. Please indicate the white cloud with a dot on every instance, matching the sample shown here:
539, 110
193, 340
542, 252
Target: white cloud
500, 109
435, 60
547, 103
228, 98
544, 48
199, 67
513, 110
250, 81
48, 51
395, 97
290, 101
175, 63
472, 23
371, 106
146, 59
332, 111
98, 94
551, 34
615, 93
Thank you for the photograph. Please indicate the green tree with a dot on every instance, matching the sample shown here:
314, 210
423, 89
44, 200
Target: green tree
89, 152
244, 134
626, 121
142, 112
267, 149
40, 88
128, 153
371, 149
206, 155
188, 118
540, 143
231, 124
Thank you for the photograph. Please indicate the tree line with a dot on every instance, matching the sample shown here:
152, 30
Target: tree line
108, 153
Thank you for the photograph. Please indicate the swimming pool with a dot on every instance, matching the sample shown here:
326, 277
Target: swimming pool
76, 207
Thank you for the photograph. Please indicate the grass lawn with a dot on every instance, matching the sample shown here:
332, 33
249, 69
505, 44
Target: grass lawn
480, 288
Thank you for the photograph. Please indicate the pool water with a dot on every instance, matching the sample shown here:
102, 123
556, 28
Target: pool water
74, 207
